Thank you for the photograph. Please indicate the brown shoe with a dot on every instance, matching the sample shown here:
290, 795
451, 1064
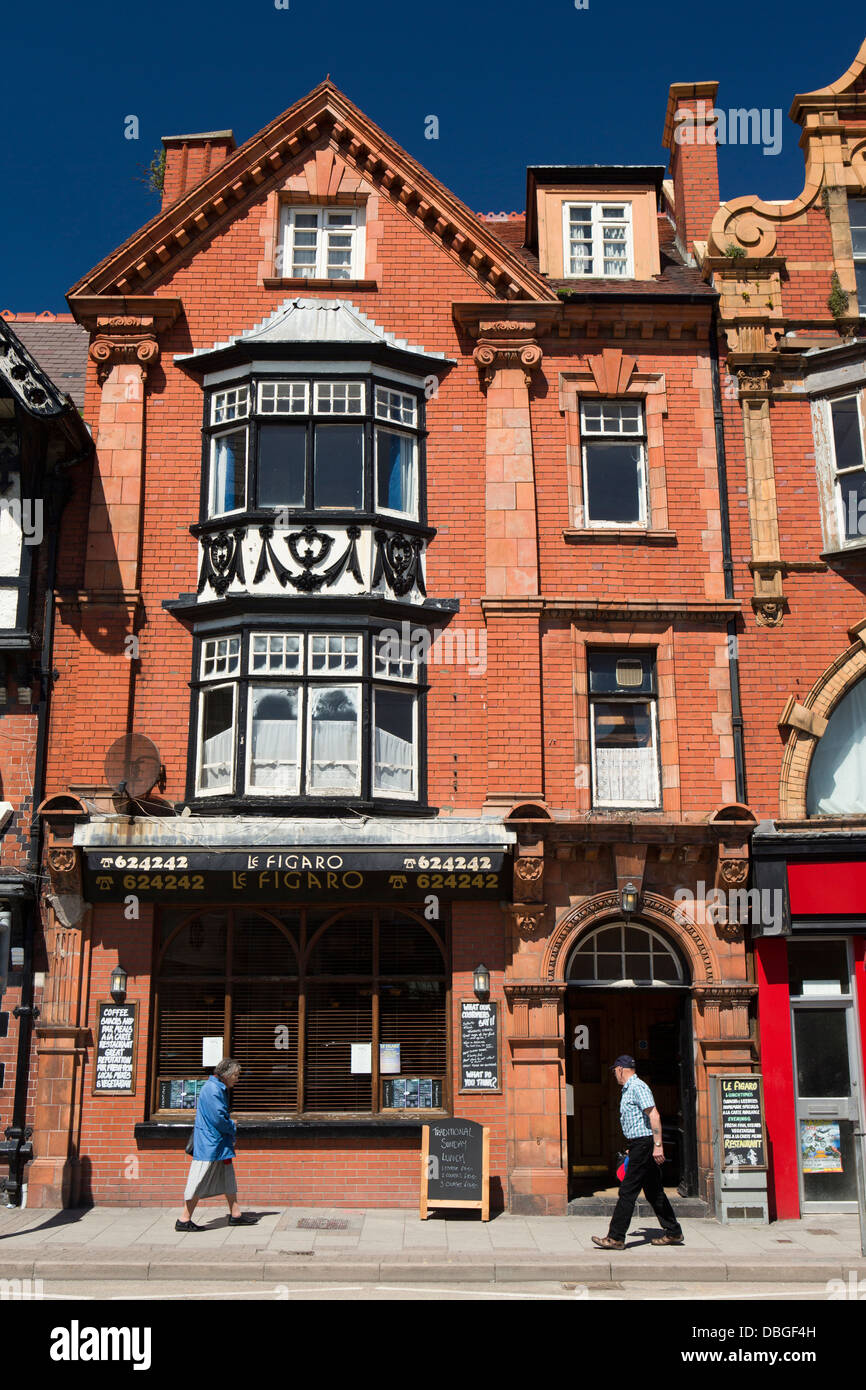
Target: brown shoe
668, 1240
605, 1243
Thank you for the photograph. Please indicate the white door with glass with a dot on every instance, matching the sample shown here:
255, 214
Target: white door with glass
827, 1074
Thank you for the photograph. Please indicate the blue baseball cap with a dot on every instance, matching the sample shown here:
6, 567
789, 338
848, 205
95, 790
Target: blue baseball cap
624, 1061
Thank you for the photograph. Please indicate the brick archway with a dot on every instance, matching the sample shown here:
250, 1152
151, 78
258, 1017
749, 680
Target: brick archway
807, 722
655, 911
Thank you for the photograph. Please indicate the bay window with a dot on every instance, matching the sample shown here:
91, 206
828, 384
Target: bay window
307, 714
338, 445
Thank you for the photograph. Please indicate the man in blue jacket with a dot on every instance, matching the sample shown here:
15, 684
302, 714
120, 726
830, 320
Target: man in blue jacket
212, 1171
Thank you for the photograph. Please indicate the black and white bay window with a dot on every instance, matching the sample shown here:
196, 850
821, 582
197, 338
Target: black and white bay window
613, 437
624, 728
307, 715
333, 445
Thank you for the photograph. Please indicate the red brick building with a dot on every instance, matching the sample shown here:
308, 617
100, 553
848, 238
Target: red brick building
406, 548
792, 284
42, 440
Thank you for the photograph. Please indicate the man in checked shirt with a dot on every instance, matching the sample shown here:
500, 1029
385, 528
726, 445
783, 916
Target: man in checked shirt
642, 1127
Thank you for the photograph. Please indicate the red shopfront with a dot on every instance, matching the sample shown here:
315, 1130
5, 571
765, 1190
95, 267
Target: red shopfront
810, 959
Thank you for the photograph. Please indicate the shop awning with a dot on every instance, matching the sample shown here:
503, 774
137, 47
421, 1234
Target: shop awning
186, 859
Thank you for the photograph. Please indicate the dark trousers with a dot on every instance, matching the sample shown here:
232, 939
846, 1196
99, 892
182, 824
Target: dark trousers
642, 1172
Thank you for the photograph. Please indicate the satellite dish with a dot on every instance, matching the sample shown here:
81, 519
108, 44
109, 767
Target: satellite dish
133, 766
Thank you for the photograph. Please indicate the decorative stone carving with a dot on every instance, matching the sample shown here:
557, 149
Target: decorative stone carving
528, 918
503, 344
607, 905
733, 871
529, 878
65, 895
769, 613
124, 338
398, 562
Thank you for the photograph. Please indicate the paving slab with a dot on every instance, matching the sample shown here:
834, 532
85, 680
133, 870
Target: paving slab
190, 1269
405, 1271
91, 1269
322, 1271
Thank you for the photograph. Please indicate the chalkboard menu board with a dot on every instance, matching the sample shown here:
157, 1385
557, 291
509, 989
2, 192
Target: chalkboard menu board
455, 1166
479, 1046
114, 1061
741, 1118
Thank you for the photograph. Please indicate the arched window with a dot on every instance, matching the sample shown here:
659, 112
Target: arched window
620, 953
327, 1012
837, 775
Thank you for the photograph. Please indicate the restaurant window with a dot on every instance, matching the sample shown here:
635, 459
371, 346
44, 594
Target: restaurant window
319, 1007
307, 715
623, 728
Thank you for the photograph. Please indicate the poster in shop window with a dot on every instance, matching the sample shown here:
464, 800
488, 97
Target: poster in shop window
820, 1146
114, 1054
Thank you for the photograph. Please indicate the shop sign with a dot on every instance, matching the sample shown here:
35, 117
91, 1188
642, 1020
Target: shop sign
479, 1046
114, 1056
741, 1117
186, 875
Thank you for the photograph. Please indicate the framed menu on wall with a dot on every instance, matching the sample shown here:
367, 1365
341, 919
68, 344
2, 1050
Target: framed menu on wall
114, 1057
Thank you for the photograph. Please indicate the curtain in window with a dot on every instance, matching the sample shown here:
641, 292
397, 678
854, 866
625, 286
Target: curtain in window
837, 777
228, 472
393, 762
274, 763
334, 739
216, 761
395, 457
626, 769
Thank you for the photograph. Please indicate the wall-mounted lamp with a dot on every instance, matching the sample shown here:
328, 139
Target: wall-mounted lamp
118, 984
481, 980
629, 899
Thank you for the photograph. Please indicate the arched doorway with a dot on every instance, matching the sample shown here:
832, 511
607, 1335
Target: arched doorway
628, 991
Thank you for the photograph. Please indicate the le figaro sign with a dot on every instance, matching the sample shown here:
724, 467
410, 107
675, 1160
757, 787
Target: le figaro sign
179, 875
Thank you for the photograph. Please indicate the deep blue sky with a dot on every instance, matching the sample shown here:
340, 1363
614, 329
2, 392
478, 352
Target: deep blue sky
512, 84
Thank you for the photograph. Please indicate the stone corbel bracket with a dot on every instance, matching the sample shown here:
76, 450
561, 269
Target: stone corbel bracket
507, 343
124, 330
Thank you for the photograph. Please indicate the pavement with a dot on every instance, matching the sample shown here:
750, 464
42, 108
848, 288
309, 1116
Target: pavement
378, 1246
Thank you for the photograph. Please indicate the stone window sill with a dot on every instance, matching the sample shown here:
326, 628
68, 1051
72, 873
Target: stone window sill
275, 282
612, 535
839, 552
265, 1128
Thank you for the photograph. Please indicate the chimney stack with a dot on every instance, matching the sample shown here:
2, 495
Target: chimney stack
690, 135
190, 158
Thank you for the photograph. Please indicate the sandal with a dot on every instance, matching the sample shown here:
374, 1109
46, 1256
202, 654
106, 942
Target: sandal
606, 1243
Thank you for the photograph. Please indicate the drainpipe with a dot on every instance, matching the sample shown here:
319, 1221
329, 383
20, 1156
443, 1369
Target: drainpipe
18, 1148
728, 570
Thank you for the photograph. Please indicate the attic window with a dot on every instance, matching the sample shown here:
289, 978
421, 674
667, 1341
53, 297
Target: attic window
321, 243
597, 240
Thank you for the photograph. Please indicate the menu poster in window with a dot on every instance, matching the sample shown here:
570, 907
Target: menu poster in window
114, 1056
455, 1166
741, 1118
479, 1046
180, 1093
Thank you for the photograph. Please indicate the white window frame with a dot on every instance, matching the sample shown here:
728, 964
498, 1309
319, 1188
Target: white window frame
264, 673
325, 390
234, 428
389, 792
857, 396
324, 792
379, 506
859, 256
598, 222
384, 666
199, 767
286, 258
652, 701
227, 663
342, 670
396, 407
251, 790
296, 394
588, 435
230, 404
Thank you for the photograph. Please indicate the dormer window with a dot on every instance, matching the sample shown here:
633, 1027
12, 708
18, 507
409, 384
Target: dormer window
325, 445
597, 240
321, 243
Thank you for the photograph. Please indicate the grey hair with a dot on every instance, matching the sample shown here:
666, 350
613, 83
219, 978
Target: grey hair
226, 1067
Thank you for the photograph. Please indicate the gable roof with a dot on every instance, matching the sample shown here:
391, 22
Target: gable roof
308, 322
144, 261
